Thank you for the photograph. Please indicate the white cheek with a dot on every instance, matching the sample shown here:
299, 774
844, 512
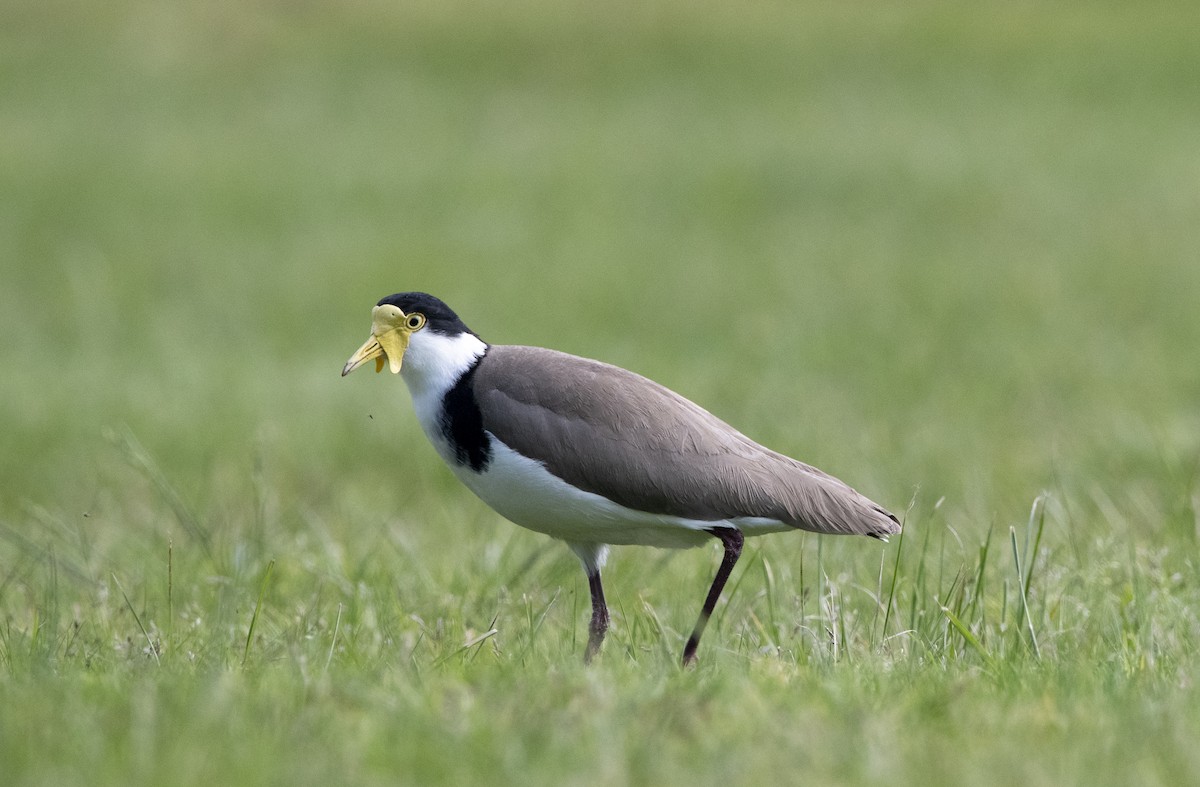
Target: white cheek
434, 361
432, 366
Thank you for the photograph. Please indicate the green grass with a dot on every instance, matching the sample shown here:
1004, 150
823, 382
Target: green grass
945, 252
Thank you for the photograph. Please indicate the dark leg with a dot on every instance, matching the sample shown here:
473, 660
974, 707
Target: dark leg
599, 623
732, 539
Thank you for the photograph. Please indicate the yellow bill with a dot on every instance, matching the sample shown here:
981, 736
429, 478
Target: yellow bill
388, 342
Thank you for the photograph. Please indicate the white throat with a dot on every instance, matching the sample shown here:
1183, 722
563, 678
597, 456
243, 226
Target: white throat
432, 365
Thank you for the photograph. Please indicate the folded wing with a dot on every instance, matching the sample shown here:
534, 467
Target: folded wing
617, 434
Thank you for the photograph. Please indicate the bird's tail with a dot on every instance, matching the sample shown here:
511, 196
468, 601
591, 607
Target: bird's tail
889, 525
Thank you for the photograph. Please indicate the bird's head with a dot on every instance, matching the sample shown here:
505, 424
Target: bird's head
396, 321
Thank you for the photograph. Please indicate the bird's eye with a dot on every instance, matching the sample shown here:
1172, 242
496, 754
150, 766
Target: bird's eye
415, 322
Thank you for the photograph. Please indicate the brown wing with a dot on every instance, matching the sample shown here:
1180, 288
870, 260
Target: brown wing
615, 433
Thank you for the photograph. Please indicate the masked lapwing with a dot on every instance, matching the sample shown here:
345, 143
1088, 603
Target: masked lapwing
596, 455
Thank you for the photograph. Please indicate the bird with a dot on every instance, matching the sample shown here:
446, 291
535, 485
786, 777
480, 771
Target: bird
595, 455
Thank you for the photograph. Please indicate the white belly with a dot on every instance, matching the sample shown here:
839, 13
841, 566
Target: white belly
521, 490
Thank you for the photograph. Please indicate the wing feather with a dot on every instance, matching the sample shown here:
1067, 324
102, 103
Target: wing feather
618, 434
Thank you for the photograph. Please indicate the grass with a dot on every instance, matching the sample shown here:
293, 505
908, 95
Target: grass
945, 253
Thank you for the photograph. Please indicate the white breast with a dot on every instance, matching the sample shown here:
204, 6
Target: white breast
521, 490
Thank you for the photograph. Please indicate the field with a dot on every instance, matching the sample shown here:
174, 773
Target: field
947, 252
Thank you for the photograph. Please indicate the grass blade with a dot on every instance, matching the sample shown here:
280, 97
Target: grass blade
1023, 613
333, 644
1039, 508
967, 636
887, 616
262, 592
137, 619
476, 640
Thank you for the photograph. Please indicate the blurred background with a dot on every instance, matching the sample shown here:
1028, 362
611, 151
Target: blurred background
945, 251
949, 252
